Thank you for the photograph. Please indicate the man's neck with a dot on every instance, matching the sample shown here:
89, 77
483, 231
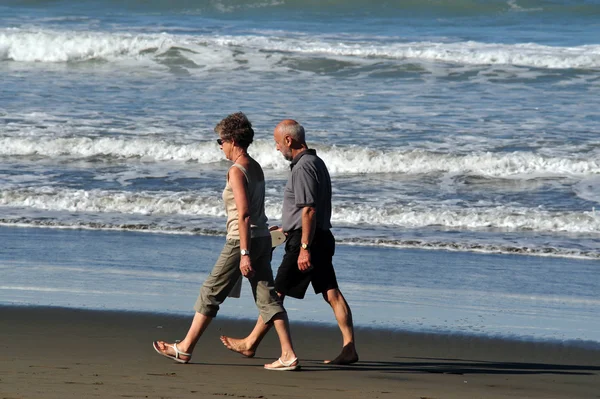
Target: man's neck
298, 151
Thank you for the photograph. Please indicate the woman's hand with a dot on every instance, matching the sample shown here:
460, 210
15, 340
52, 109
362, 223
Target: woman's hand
246, 267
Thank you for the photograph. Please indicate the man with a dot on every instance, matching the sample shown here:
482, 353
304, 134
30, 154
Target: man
310, 245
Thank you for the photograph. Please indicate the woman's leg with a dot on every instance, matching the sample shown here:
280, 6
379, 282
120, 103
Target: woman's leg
215, 289
199, 325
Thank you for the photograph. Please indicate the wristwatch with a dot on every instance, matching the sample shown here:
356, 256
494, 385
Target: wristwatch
244, 252
304, 246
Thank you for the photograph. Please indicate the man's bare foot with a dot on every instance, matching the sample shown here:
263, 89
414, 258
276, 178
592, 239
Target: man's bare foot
348, 356
238, 345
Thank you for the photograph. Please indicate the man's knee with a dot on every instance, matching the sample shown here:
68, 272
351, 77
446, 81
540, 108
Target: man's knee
333, 296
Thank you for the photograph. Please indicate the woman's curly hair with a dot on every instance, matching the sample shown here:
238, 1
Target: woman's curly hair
236, 127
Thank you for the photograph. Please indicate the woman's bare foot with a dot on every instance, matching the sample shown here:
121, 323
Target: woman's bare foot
238, 345
348, 356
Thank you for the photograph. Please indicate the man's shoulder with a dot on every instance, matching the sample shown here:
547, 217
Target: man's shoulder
311, 159
309, 164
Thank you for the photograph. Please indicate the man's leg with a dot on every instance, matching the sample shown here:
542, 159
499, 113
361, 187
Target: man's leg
343, 315
247, 346
285, 273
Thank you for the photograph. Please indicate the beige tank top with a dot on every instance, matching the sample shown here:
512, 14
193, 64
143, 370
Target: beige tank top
256, 203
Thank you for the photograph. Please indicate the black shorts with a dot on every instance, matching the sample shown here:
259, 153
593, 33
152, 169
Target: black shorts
292, 282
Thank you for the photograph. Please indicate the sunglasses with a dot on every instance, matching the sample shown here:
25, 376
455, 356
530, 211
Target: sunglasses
219, 142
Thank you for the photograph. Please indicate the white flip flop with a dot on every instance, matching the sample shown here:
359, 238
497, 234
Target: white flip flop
285, 366
177, 352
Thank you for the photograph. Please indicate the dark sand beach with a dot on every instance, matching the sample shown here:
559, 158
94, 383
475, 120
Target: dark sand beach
70, 353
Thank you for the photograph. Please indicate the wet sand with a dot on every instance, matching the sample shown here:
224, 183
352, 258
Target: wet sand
71, 353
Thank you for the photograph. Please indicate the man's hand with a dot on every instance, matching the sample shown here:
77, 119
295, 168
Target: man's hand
304, 263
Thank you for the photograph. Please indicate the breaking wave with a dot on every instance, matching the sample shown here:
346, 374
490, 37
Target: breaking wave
217, 52
501, 218
340, 159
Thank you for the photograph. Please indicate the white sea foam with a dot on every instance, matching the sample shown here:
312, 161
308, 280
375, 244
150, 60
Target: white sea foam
83, 147
526, 164
468, 53
144, 203
500, 217
58, 46
341, 160
216, 51
209, 204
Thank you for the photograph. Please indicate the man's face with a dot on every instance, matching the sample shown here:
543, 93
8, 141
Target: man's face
282, 144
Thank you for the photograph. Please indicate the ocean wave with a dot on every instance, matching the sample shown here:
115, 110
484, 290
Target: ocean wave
217, 52
503, 218
69, 46
88, 225
101, 201
486, 248
341, 160
476, 247
110, 147
344, 160
162, 203
465, 53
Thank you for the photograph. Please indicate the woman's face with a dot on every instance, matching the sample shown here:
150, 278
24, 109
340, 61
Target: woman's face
226, 146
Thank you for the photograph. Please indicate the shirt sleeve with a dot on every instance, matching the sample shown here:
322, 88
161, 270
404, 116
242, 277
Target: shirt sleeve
305, 186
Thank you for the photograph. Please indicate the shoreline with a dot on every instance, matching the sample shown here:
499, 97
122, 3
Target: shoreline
408, 244
73, 353
589, 345
499, 296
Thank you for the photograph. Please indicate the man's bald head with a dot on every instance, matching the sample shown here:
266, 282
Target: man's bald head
289, 127
289, 138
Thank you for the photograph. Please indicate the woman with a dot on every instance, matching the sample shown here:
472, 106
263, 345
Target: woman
247, 251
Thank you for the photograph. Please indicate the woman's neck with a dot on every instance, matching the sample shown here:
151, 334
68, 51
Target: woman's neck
235, 158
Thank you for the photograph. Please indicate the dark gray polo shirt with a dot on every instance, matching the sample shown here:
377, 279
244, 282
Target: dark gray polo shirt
308, 185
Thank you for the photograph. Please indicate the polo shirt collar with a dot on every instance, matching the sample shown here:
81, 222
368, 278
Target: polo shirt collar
297, 157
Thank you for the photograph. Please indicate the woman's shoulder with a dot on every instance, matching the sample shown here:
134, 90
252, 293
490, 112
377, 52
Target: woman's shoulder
250, 168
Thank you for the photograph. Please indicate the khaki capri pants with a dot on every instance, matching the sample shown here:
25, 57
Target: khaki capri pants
226, 272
